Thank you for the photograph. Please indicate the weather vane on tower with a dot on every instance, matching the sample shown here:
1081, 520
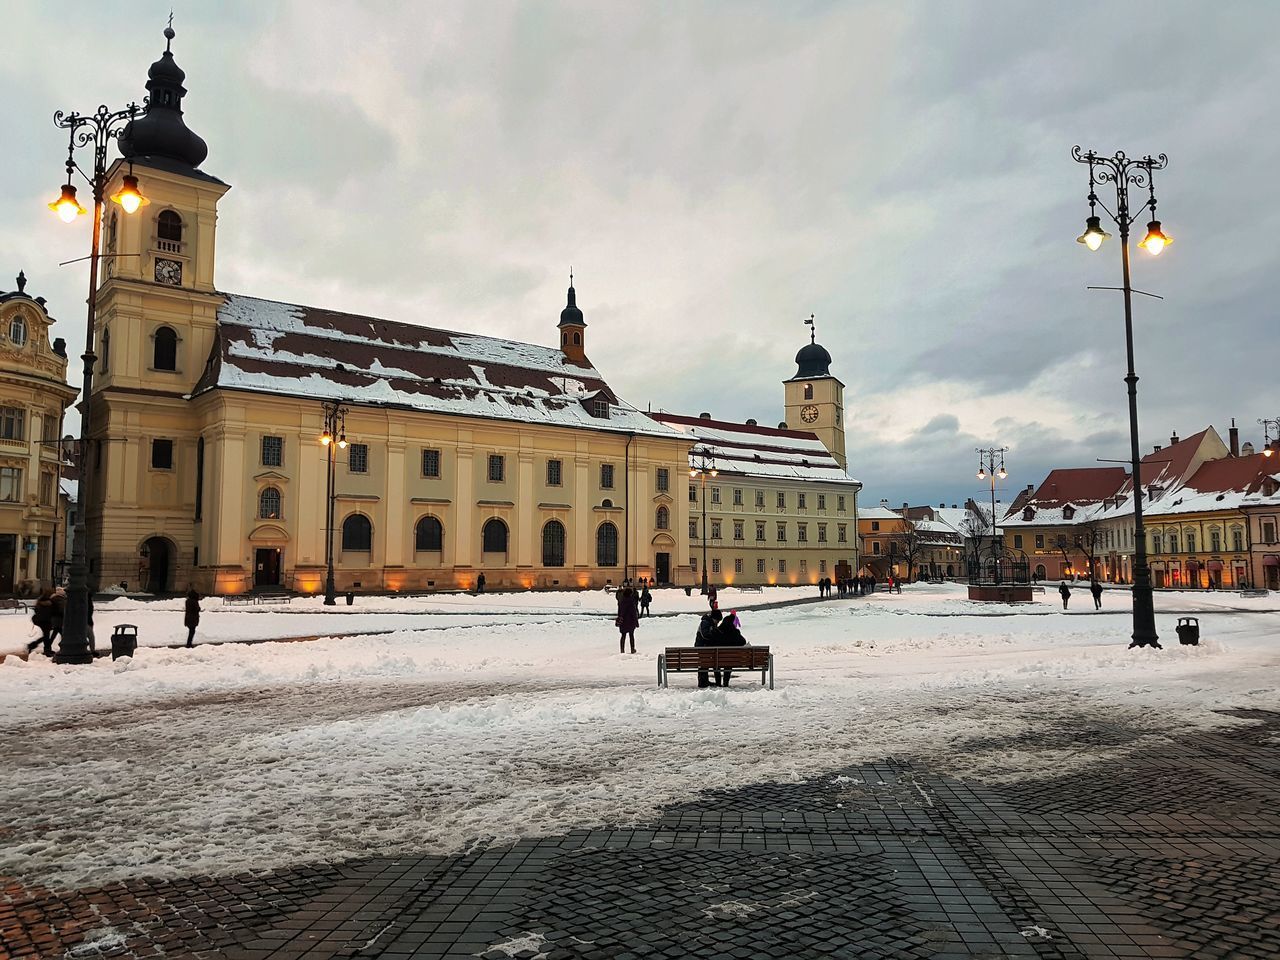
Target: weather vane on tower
813, 335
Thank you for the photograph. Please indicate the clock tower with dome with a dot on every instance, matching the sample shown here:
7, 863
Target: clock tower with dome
814, 399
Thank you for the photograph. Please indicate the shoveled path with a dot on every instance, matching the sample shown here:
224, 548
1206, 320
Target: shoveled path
1165, 849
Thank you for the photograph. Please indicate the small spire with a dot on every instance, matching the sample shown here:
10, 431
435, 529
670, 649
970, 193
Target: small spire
571, 276
169, 34
22, 281
813, 334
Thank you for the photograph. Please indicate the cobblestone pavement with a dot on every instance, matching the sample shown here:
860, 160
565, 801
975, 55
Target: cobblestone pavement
1165, 849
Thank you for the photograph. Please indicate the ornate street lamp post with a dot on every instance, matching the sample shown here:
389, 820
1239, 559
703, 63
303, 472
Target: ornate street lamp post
334, 434
1267, 426
95, 130
1124, 172
703, 465
987, 467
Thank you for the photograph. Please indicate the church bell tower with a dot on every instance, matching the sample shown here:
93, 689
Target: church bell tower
814, 399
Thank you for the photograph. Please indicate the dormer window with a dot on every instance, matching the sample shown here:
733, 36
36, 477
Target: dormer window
600, 408
1029, 513
169, 231
1068, 513
18, 331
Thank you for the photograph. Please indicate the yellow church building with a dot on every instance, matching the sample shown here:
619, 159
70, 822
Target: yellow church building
462, 455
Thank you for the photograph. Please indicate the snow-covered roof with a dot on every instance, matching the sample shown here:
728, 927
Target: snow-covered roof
937, 531
70, 488
1068, 496
751, 450
287, 349
878, 513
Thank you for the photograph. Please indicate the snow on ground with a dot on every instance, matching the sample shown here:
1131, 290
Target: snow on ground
464, 725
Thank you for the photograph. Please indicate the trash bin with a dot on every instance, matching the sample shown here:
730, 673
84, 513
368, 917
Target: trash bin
351, 598
124, 641
1189, 631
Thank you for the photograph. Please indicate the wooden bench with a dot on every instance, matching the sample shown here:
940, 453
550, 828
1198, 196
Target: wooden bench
14, 605
755, 589
1253, 593
273, 598
693, 659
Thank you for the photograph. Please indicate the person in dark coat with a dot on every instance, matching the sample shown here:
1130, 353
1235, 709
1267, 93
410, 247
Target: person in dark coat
42, 617
1096, 589
628, 618
707, 637
191, 619
646, 598
480, 584
712, 597
57, 611
1065, 592
728, 634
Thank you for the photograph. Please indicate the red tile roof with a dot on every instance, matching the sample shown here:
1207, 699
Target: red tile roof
1079, 485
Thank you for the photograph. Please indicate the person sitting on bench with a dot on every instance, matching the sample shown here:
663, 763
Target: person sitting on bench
728, 634
708, 637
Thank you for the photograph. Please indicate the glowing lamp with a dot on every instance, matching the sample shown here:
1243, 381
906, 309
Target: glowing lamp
982, 474
326, 438
1155, 240
67, 207
129, 196
1002, 473
1093, 233
342, 442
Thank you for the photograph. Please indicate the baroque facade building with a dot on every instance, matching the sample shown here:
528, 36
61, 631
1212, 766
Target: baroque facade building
34, 396
465, 454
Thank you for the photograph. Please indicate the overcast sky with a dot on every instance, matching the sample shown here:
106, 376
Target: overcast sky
714, 173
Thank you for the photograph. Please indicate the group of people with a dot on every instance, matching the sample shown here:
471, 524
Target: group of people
718, 630
51, 607
851, 586
1095, 588
633, 603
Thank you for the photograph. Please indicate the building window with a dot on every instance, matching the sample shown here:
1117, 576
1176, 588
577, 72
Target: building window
199, 477
663, 479
738, 530
842, 533
164, 349
1173, 543
822, 566
693, 564
358, 458
802, 533
11, 484
1039, 541
782, 533
428, 535
106, 348
802, 501
804, 564
1215, 541
18, 331
269, 504
822, 501
1237, 540
822, 533
431, 464
759, 531
497, 468
715, 564
737, 564
782, 500
272, 451
663, 518
840, 504
606, 476
760, 565
169, 230
553, 544
715, 494
1269, 532
782, 565
357, 534
808, 391
554, 468
693, 529
715, 529
875, 547
760, 498
46, 489
1191, 542
12, 423
737, 496
607, 545
494, 536
1017, 541
599, 408
161, 454
875, 526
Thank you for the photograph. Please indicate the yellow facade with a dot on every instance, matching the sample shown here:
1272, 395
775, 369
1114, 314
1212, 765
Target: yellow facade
33, 398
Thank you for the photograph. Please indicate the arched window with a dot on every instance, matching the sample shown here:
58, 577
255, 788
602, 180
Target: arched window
169, 228
553, 544
357, 533
428, 535
663, 520
577, 339
165, 352
269, 504
808, 391
106, 348
18, 331
607, 545
494, 536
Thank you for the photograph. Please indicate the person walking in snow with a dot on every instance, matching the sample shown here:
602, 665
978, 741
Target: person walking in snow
480, 584
708, 636
712, 597
1065, 592
628, 618
42, 617
728, 634
57, 612
646, 598
1096, 589
191, 618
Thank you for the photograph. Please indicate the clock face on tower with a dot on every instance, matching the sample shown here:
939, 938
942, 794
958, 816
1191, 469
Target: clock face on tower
169, 271
809, 414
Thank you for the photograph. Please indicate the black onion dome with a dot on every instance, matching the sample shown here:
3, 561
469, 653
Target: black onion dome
571, 315
813, 361
161, 131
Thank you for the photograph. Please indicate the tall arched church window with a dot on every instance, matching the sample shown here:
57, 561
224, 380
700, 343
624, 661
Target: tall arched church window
553, 544
169, 230
269, 507
165, 349
663, 519
357, 533
607, 545
494, 536
428, 535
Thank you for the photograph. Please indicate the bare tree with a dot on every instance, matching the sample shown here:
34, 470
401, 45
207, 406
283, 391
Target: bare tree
905, 546
1089, 541
975, 527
